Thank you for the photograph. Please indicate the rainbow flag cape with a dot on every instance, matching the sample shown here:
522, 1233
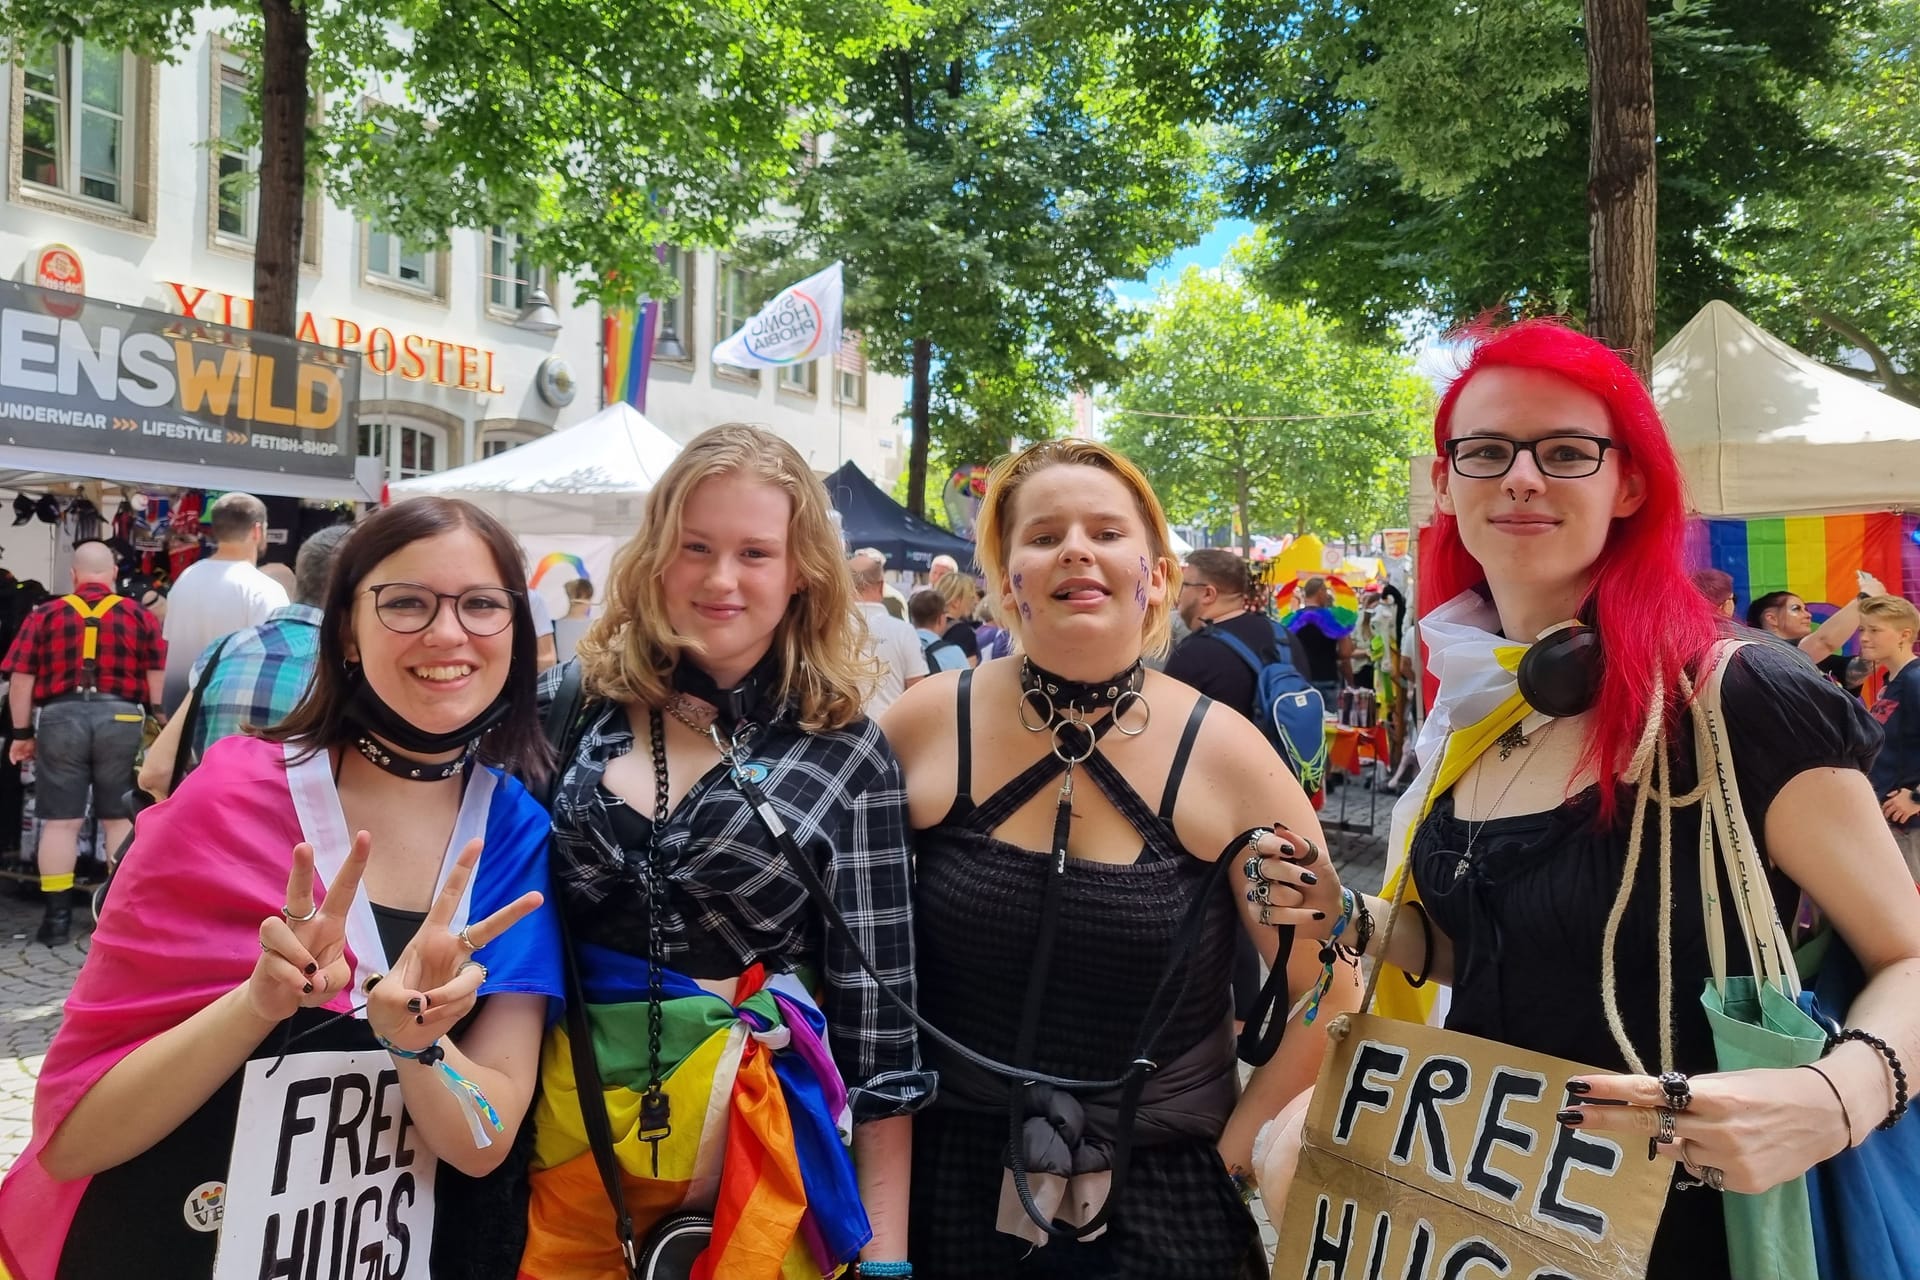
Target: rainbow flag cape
758, 1115
1335, 620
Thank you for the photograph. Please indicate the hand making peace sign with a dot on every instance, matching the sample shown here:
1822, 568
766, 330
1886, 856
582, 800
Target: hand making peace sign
435, 981
303, 950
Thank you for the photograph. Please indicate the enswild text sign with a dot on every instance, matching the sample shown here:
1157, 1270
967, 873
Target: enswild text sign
328, 1176
1432, 1155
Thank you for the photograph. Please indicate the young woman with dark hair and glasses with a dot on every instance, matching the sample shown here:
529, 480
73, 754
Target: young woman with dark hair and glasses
291, 1041
1537, 863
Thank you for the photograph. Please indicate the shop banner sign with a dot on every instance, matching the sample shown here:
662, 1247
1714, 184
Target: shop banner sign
95, 377
1431, 1155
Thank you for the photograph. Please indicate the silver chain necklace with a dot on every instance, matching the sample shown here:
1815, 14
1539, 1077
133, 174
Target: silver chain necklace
1474, 830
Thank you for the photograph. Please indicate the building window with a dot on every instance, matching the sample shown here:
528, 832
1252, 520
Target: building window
510, 273
852, 387
407, 450
76, 122
673, 339
496, 443
733, 286
801, 379
850, 372
239, 183
391, 262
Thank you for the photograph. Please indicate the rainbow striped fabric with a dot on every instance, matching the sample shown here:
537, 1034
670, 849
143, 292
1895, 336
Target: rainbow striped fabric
625, 339
759, 1114
1335, 620
1812, 556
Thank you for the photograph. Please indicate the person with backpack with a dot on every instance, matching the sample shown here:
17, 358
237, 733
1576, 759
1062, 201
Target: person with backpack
927, 610
88, 663
1243, 659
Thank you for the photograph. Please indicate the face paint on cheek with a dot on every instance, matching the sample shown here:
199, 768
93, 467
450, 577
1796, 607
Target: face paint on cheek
1140, 594
1026, 611
1018, 578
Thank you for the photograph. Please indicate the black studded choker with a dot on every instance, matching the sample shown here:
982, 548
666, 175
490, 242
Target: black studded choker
407, 767
1053, 694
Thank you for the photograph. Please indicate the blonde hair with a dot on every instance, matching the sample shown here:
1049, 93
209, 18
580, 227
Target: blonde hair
1013, 471
629, 652
958, 591
1897, 611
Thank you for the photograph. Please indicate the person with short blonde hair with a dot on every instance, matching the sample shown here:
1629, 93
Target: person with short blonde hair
730, 634
1888, 626
960, 598
1075, 549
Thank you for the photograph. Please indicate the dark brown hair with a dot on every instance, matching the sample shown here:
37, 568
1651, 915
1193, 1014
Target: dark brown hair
319, 723
1224, 571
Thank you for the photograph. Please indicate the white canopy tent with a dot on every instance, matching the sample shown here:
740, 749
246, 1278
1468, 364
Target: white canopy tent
1762, 430
588, 479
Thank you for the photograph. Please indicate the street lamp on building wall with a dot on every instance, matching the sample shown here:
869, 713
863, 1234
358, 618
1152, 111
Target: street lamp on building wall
538, 316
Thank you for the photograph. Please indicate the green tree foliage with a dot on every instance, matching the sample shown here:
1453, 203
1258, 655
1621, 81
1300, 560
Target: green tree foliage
1410, 160
1237, 403
1842, 268
595, 130
984, 184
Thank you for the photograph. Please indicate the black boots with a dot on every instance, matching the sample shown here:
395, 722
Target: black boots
56, 927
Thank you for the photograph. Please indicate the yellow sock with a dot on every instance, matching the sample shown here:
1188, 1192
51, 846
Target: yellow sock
56, 884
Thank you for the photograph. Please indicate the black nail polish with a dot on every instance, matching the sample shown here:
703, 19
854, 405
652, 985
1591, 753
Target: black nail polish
1319, 915
1571, 1116
307, 988
421, 1020
1579, 1086
413, 1005
1307, 877
427, 1001
312, 969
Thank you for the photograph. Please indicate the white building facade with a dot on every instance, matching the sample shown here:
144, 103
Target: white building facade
121, 161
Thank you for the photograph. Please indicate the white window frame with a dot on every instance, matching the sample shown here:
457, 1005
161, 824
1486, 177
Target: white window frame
850, 388
388, 435
230, 75
675, 315
70, 110
495, 443
427, 287
801, 379
517, 262
729, 314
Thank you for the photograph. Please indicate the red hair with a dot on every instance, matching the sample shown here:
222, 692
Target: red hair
1651, 619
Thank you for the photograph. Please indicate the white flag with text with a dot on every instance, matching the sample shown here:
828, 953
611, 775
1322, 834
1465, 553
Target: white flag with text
802, 323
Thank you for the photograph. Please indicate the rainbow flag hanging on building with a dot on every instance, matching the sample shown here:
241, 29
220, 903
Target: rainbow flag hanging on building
1815, 557
627, 340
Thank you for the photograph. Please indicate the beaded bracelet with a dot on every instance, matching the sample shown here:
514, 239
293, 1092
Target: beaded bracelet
890, 1270
1329, 953
1885, 1050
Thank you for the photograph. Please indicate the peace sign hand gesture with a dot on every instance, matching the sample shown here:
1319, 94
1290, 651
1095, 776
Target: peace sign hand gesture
303, 950
436, 980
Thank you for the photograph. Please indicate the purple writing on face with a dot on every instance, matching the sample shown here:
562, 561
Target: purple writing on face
1026, 611
1143, 564
1017, 580
1140, 594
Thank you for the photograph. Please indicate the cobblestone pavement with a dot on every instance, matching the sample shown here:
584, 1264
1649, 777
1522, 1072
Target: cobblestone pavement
34, 981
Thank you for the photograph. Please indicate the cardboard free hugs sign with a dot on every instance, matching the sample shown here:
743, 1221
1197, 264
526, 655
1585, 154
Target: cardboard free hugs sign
1431, 1155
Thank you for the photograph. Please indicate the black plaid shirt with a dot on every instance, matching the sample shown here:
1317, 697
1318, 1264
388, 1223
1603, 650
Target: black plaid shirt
730, 899
50, 642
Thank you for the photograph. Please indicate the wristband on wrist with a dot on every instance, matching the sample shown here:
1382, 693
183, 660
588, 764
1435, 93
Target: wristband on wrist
892, 1270
23, 734
479, 1112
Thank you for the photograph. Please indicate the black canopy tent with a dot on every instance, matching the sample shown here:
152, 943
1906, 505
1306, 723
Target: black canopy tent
869, 518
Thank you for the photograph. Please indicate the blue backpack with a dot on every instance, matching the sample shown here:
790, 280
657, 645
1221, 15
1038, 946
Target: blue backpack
1288, 709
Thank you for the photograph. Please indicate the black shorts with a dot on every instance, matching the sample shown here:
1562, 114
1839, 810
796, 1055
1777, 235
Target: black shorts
86, 743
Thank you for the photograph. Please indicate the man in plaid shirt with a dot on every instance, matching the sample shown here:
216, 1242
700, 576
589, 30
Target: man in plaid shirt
89, 661
252, 677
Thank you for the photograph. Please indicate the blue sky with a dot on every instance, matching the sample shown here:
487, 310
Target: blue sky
1209, 252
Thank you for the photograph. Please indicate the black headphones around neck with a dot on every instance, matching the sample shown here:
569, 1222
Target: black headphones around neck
1560, 673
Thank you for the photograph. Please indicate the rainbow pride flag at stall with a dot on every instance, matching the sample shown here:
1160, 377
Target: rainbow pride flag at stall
757, 1110
1815, 557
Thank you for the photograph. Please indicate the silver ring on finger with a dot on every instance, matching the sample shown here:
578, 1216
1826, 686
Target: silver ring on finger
472, 964
286, 913
1678, 1089
1312, 855
1252, 869
466, 939
1259, 892
1715, 1178
264, 948
1666, 1135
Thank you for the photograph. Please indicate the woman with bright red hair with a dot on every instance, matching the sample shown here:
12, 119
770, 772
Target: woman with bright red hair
1561, 513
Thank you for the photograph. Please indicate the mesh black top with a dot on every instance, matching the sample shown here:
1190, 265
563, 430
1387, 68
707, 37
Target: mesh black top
977, 909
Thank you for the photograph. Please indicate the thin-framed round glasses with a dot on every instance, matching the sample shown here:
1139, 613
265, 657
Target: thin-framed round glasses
408, 607
1568, 457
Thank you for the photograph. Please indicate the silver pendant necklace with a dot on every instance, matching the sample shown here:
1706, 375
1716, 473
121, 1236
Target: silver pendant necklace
1473, 830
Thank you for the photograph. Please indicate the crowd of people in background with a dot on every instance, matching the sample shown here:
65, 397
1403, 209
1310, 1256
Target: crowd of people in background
830, 920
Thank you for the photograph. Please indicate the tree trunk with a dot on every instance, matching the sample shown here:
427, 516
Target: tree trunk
1620, 177
284, 54
1242, 500
922, 414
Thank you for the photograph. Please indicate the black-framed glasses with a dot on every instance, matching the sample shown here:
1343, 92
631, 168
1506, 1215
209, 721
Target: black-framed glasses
408, 607
1568, 457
